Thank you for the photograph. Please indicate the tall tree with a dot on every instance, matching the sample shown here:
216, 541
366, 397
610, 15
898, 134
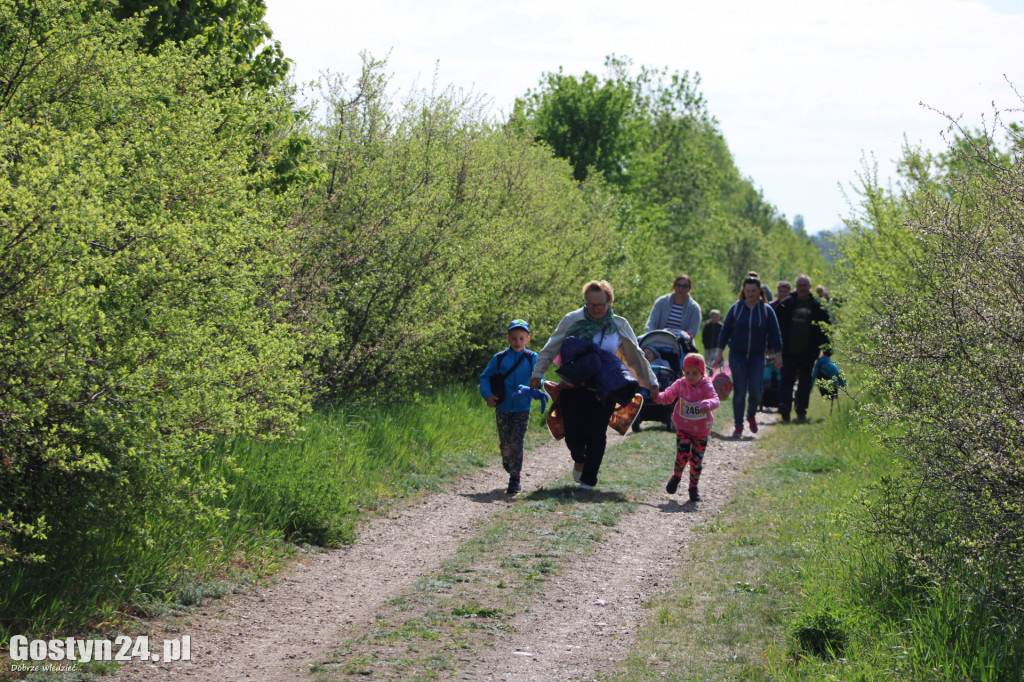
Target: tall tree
649, 133
593, 122
135, 258
235, 27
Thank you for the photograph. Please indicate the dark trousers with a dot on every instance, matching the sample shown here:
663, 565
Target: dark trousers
796, 369
586, 426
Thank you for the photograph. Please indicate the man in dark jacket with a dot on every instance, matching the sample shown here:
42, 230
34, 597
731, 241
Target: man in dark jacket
800, 318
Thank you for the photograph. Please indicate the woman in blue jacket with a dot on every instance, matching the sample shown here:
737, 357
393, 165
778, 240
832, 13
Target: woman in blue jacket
749, 329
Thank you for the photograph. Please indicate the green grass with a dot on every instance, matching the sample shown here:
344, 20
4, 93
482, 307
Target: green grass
784, 584
788, 585
278, 497
497, 573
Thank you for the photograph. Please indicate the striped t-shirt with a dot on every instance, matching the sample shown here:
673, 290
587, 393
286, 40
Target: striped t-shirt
675, 318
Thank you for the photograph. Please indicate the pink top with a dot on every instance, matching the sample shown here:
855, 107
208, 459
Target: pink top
687, 415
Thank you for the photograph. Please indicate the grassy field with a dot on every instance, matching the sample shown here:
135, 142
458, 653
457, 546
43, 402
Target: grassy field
789, 585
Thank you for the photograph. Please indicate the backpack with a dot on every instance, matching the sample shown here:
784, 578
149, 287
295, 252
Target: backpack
498, 380
828, 378
723, 384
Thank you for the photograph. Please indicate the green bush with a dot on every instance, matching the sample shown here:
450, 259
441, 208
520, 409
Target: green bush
134, 263
434, 227
937, 322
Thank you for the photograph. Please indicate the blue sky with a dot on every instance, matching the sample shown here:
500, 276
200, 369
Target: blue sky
802, 90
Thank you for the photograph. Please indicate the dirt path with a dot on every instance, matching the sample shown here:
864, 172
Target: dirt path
582, 624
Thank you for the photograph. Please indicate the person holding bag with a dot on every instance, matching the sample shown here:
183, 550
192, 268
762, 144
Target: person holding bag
585, 408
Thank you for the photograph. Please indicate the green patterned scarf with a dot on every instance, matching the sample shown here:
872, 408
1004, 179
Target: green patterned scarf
589, 327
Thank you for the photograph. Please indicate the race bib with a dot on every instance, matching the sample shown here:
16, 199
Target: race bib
689, 410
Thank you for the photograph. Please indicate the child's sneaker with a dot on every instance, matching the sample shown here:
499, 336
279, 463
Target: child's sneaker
738, 431
753, 424
513, 486
694, 495
672, 485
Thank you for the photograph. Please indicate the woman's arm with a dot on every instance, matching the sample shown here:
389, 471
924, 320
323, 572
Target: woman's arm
635, 358
654, 320
691, 324
775, 334
552, 347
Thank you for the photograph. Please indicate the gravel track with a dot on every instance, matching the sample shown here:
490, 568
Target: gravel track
580, 626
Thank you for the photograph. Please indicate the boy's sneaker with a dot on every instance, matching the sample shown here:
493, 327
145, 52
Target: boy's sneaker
672, 485
801, 416
584, 486
513, 487
753, 424
694, 495
738, 431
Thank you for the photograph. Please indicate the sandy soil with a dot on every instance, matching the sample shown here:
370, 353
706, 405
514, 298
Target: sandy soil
581, 626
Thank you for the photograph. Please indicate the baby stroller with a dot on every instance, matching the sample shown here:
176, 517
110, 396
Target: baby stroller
772, 390
671, 345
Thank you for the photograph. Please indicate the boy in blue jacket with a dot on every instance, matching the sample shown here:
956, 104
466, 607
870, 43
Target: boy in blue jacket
499, 383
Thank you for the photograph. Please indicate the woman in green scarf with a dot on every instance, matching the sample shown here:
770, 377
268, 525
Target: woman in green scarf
586, 419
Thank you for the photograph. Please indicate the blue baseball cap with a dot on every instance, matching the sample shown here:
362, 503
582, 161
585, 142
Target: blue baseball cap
519, 324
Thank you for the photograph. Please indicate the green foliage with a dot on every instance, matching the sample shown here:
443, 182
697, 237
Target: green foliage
235, 28
597, 125
311, 488
822, 633
650, 135
133, 262
936, 321
431, 230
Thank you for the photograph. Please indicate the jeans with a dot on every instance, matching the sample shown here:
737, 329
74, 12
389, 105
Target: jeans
747, 380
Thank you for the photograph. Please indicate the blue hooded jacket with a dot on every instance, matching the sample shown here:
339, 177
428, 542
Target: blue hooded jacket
512, 402
750, 331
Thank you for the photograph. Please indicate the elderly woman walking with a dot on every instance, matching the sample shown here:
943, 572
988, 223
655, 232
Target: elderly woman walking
585, 408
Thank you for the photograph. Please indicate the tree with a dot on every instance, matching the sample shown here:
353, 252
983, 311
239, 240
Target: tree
232, 27
935, 319
431, 228
689, 209
137, 257
594, 124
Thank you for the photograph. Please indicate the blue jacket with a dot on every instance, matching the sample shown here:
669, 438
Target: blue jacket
583, 362
750, 331
512, 402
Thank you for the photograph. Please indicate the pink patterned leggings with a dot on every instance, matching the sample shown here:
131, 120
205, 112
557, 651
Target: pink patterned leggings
690, 450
